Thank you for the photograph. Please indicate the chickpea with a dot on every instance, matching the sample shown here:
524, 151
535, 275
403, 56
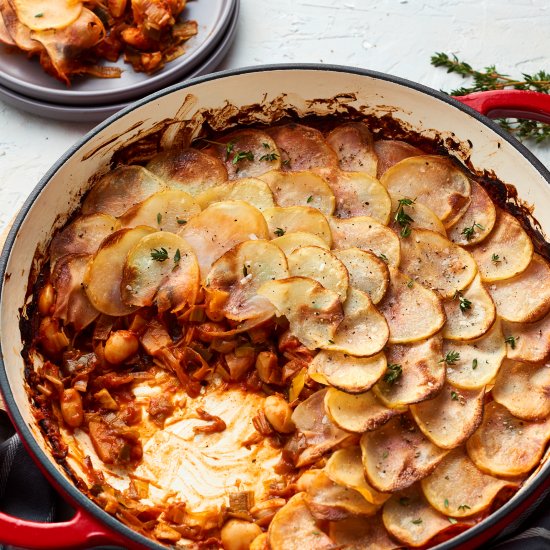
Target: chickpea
278, 414
46, 299
71, 408
238, 534
52, 337
267, 366
120, 345
260, 543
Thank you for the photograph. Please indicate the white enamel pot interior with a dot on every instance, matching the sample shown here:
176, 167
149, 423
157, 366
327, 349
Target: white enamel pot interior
58, 193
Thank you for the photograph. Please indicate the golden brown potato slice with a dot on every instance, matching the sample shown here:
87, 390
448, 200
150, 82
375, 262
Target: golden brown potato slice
188, 170
56, 15
478, 220
435, 262
473, 364
303, 148
470, 313
524, 389
357, 413
507, 446
117, 191
398, 454
291, 219
346, 372
451, 417
294, 528
366, 271
314, 313
412, 311
251, 190
528, 341
82, 236
524, 298
220, 227
457, 488
392, 151
103, 276
161, 268
354, 146
241, 271
322, 266
358, 534
368, 234
431, 180
415, 373
505, 252
289, 242
302, 188
407, 214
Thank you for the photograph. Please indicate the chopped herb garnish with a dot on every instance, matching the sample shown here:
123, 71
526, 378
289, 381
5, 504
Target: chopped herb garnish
331, 341
464, 302
402, 218
385, 454
39, 14
383, 257
410, 283
474, 364
404, 501
495, 258
451, 357
417, 521
269, 157
229, 148
512, 341
393, 373
159, 254
181, 222
279, 231
177, 256
266, 145
286, 162
464, 507
446, 503
309, 199
241, 155
468, 232
452, 521
159, 218
454, 395
245, 270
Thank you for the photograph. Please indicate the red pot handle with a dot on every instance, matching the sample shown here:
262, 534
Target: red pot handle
510, 104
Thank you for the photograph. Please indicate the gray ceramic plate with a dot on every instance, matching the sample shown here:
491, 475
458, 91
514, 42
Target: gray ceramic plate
24, 76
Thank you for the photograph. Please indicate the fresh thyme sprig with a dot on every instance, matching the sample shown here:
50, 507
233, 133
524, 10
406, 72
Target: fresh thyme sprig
491, 79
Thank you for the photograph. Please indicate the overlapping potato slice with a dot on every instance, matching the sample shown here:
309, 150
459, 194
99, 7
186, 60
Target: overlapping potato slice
290, 219
188, 170
165, 211
346, 372
254, 191
289, 242
303, 188
357, 413
431, 180
415, 373
161, 269
412, 311
368, 234
82, 236
392, 151
507, 446
528, 341
303, 148
366, 271
117, 191
505, 252
294, 528
103, 277
220, 227
322, 266
524, 298
470, 314
476, 362
241, 271
422, 217
524, 389
345, 467
478, 220
53, 15
398, 454
451, 417
354, 147
358, 534
314, 312
435, 262
5, 36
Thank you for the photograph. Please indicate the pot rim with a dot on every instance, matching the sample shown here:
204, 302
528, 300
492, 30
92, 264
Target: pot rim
77, 497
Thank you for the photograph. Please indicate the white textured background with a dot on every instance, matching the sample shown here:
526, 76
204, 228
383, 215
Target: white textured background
392, 36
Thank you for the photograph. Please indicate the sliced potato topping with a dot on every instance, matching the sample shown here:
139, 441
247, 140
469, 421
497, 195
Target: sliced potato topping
53, 15
162, 269
528, 341
435, 262
354, 146
524, 298
188, 170
392, 151
415, 373
407, 214
302, 188
103, 277
412, 311
451, 417
254, 191
398, 454
358, 534
117, 191
363, 331
505, 252
346, 372
471, 365
368, 234
470, 313
289, 242
431, 180
241, 271
524, 389
235, 222
290, 219
478, 220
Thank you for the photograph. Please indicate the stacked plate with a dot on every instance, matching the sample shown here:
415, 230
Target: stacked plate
25, 85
